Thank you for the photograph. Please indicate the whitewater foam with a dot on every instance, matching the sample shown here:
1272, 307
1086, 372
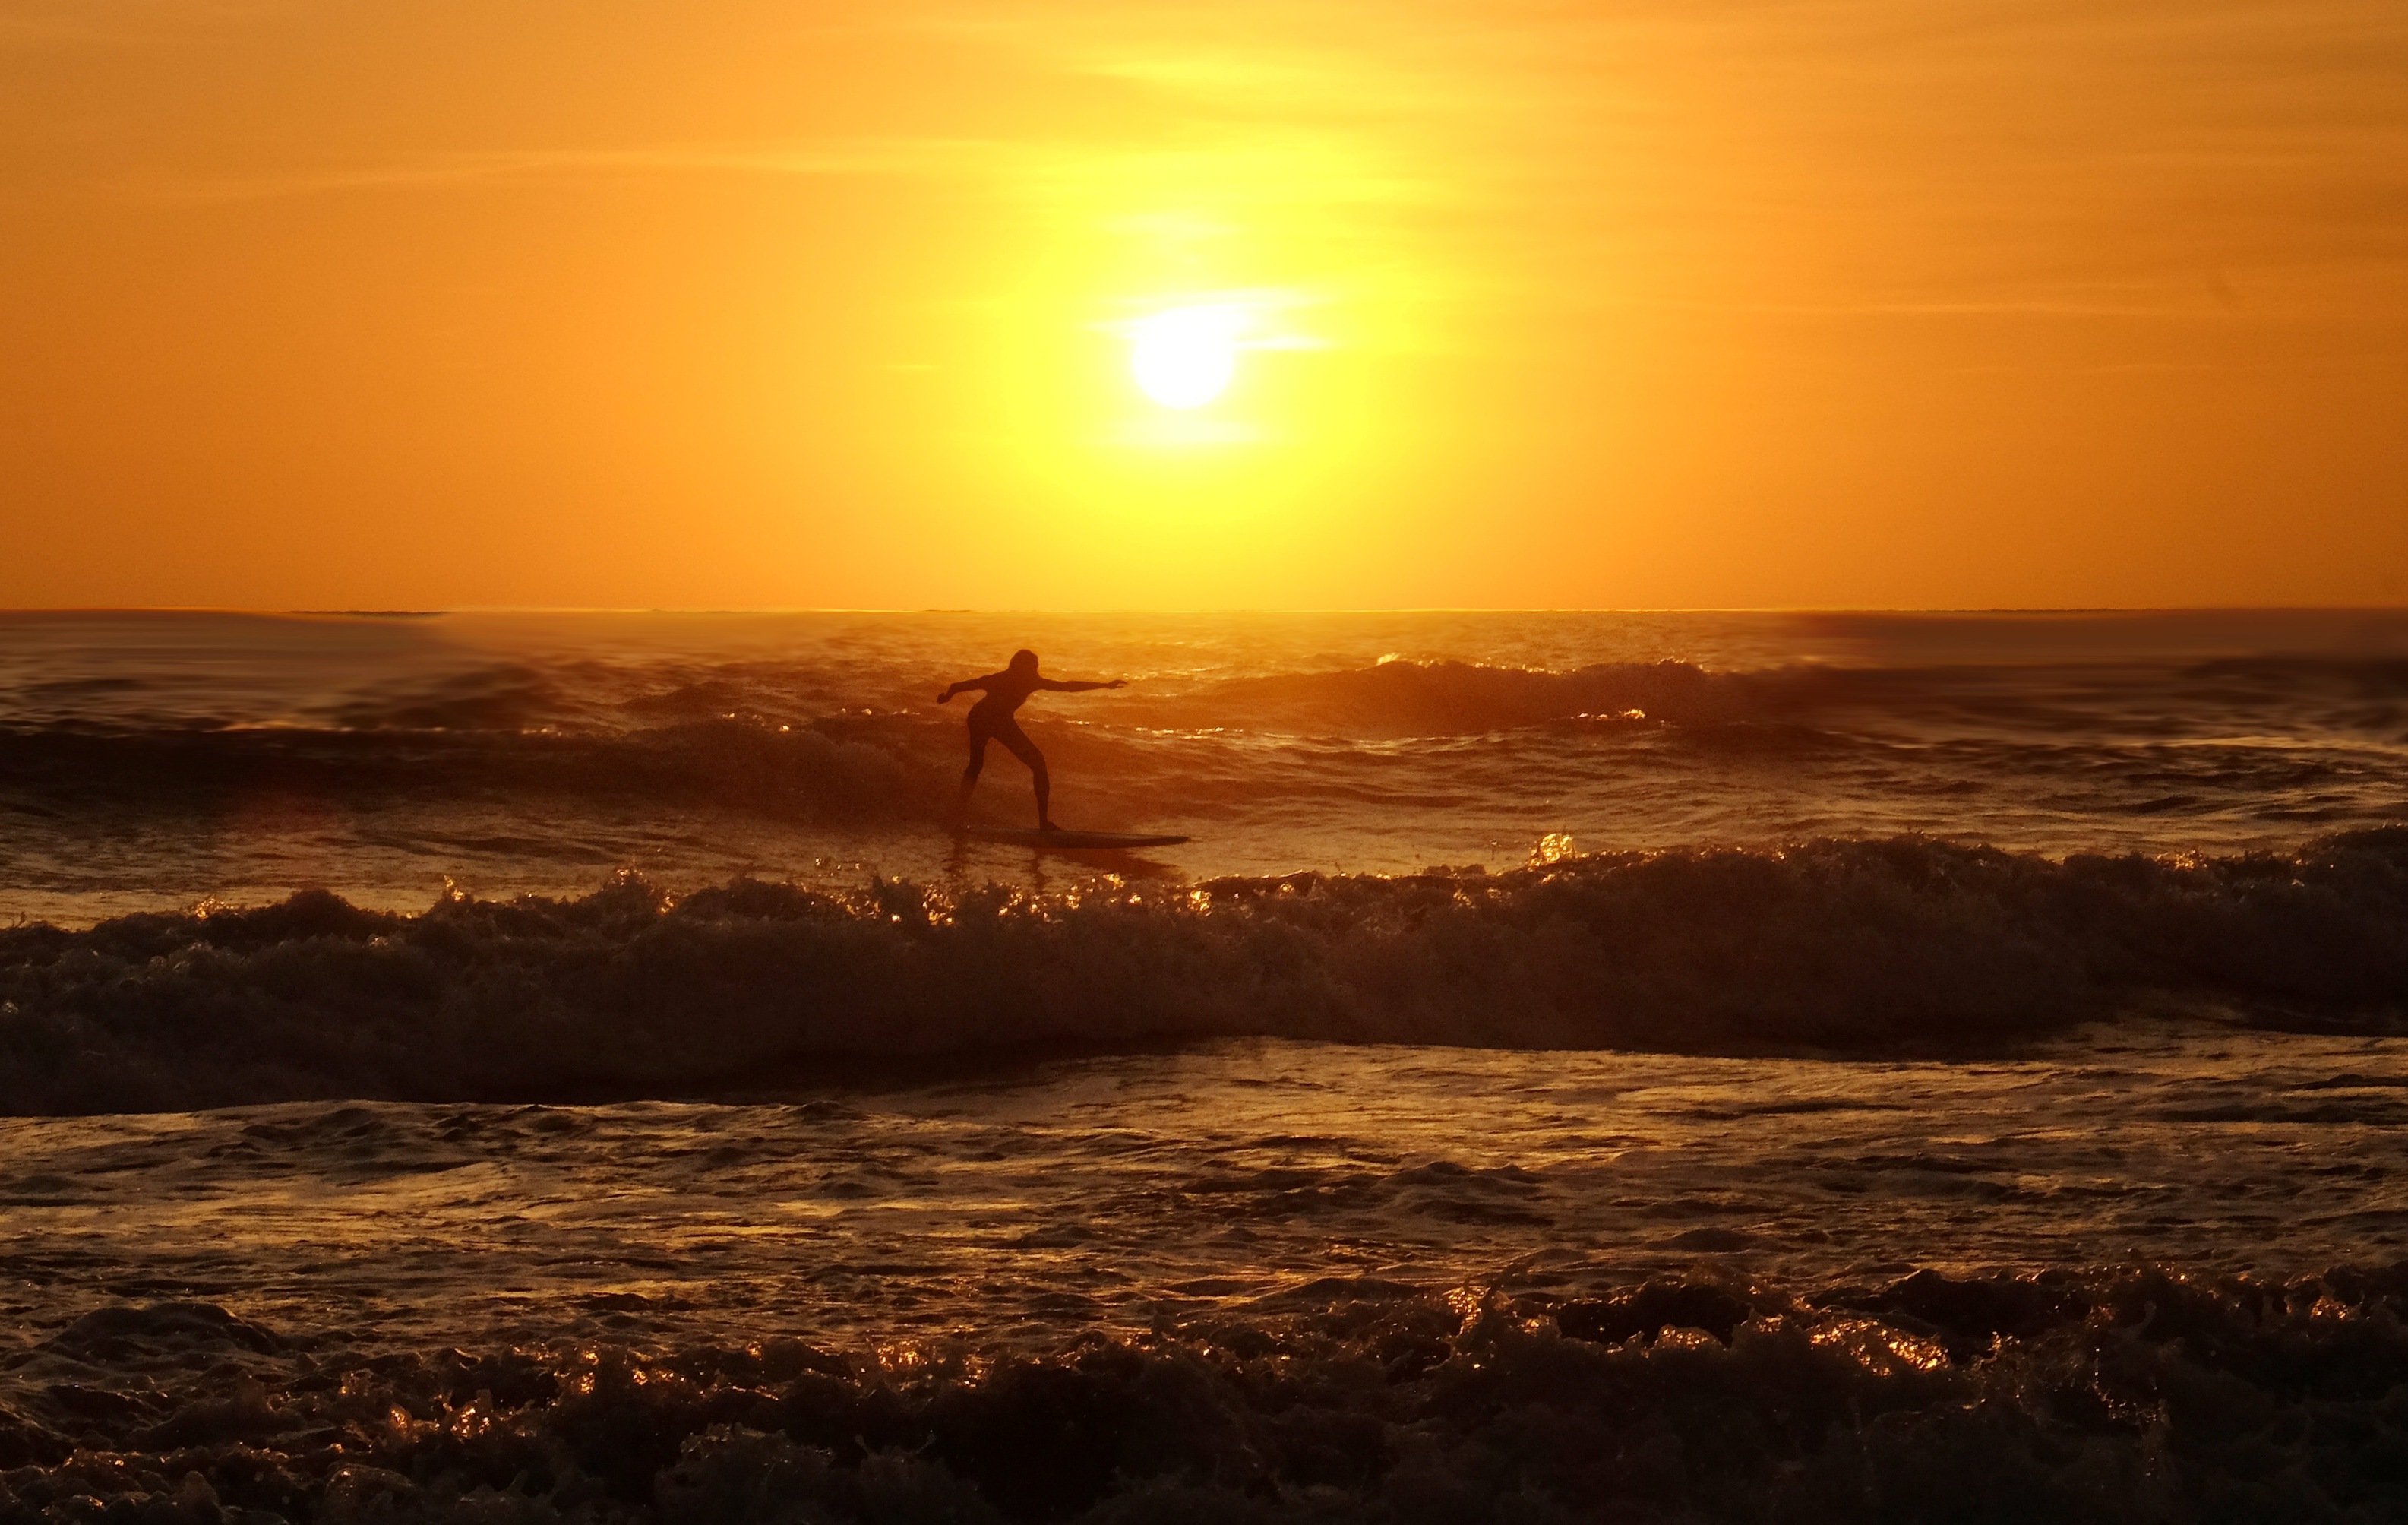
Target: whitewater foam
1899, 946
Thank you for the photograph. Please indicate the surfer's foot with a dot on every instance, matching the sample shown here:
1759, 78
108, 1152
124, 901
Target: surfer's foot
1047, 826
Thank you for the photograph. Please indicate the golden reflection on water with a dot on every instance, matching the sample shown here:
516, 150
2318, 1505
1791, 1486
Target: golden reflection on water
1113, 1192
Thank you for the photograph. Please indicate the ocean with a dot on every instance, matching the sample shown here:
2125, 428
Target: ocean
1583, 1066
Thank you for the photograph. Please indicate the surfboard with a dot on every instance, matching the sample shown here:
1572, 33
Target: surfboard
1068, 840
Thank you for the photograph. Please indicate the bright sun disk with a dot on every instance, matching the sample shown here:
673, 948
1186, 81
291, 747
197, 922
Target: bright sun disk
1185, 356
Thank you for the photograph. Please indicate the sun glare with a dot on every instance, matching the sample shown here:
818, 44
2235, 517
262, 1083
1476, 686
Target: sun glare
1185, 356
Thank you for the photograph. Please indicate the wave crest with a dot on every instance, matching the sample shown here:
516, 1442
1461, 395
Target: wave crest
1447, 698
1897, 947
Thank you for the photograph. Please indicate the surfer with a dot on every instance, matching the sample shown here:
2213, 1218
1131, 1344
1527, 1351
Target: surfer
991, 719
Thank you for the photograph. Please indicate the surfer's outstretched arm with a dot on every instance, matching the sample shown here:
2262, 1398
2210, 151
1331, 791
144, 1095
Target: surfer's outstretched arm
971, 685
1060, 686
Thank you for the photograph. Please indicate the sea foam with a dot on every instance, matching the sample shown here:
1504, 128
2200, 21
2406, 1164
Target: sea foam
1898, 946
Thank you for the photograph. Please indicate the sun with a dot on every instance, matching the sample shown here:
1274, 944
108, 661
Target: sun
1185, 356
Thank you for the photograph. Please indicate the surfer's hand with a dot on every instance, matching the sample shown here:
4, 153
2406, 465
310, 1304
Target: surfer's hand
945, 697
1117, 683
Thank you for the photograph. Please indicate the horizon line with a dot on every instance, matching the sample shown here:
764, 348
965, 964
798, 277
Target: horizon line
268, 612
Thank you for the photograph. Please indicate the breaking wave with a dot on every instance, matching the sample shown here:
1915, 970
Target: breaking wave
2106, 1395
1898, 946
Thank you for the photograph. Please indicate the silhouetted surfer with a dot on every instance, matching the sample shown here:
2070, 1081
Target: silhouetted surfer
991, 719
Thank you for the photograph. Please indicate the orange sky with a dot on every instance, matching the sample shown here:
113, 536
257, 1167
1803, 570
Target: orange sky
1670, 303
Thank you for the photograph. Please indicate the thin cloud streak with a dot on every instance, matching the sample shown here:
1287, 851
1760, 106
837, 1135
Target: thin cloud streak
893, 157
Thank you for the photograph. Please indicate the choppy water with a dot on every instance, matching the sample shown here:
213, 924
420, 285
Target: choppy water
1250, 1282
1112, 1192
1953, 1070
154, 759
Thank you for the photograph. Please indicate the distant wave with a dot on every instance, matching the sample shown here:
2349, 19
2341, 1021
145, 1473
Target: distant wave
590, 701
743, 739
1894, 946
1396, 697
509, 733
777, 740
834, 770
1434, 699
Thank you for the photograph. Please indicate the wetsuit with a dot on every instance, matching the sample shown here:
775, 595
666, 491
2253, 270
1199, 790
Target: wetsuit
992, 719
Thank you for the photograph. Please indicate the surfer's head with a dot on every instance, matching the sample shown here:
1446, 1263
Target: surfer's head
1024, 660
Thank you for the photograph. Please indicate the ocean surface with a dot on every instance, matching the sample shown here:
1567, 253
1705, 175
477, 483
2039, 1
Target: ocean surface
1744, 1067
157, 759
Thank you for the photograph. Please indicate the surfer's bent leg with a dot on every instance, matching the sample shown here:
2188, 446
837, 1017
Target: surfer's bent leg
979, 734
1017, 741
